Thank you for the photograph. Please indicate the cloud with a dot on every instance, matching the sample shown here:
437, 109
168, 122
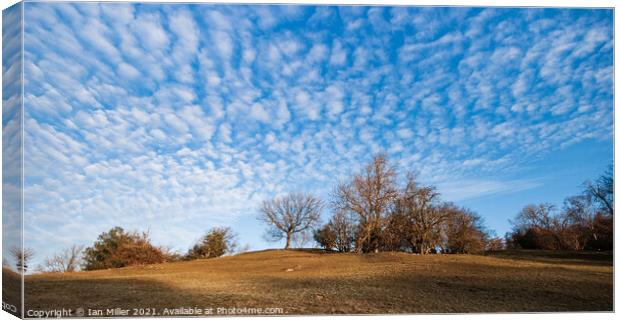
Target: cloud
190, 115
334, 97
338, 54
472, 189
127, 71
153, 36
306, 104
258, 112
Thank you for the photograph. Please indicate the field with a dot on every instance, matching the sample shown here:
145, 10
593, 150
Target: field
314, 282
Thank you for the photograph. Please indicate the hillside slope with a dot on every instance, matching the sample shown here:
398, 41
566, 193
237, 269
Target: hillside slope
311, 282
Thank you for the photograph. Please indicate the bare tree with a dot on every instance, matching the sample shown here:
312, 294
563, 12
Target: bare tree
425, 217
465, 232
535, 216
579, 218
537, 227
69, 260
343, 225
22, 258
289, 215
338, 233
370, 194
302, 238
602, 190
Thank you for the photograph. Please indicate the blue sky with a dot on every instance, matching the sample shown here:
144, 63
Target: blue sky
178, 118
11, 131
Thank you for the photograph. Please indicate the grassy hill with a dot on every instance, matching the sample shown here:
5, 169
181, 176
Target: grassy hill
314, 282
11, 291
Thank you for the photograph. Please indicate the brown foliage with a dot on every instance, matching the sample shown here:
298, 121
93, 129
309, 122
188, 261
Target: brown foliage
586, 221
369, 194
326, 237
216, 243
411, 218
464, 231
424, 215
118, 248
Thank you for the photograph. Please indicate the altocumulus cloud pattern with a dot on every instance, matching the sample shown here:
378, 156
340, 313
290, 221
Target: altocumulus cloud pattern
179, 117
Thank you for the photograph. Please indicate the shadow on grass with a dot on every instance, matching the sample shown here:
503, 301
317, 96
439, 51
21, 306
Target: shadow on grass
408, 285
125, 293
440, 293
11, 292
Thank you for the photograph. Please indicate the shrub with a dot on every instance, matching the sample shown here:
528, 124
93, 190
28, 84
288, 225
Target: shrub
326, 237
217, 242
118, 248
464, 231
603, 235
533, 238
494, 244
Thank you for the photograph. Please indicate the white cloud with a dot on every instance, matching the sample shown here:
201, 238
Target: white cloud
96, 34
405, 133
283, 114
175, 122
338, 54
334, 97
205, 131
153, 36
305, 103
225, 133
223, 43
471, 189
317, 53
258, 113
127, 71
158, 134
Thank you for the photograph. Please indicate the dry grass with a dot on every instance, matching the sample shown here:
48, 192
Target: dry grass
11, 291
328, 283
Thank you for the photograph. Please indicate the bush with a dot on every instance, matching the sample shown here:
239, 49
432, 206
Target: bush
118, 248
464, 231
533, 238
326, 237
494, 244
217, 242
603, 235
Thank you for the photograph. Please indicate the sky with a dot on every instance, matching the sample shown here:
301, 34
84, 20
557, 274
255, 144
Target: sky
178, 118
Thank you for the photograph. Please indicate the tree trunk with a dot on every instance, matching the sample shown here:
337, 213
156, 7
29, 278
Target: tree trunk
359, 245
288, 241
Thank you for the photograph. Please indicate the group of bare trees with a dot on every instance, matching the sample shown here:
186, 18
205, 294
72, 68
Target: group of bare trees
68, 260
373, 213
584, 223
